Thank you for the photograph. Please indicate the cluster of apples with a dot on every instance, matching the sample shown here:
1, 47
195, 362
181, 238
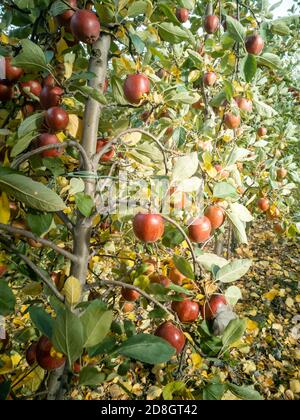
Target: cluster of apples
149, 228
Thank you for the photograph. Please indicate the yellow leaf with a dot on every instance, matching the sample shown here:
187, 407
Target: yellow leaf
61, 136
61, 46
31, 381
252, 325
52, 25
32, 289
4, 38
6, 364
271, 295
196, 360
131, 138
75, 126
72, 290
4, 209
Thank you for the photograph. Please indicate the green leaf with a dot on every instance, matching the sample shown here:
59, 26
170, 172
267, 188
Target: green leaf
107, 346
4, 390
214, 391
147, 348
184, 267
84, 203
208, 261
137, 8
233, 294
173, 388
39, 223
138, 43
68, 337
55, 165
92, 92
250, 67
233, 271
30, 124
228, 89
235, 29
185, 167
172, 33
270, 60
280, 28
42, 320
245, 392
264, 110
23, 143
31, 57
33, 194
167, 11
233, 332
225, 190
90, 376
7, 299
58, 7
118, 91
96, 324
238, 226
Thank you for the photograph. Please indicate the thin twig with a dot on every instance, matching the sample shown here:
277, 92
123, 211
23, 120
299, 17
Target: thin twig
16, 231
7, 244
64, 218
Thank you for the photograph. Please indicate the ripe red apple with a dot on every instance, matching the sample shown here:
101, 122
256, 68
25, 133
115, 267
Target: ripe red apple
281, 174
44, 357
105, 85
263, 204
31, 354
254, 44
3, 269
262, 131
6, 90
243, 104
187, 310
210, 309
85, 26
182, 14
216, 216
50, 96
32, 86
135, 87
200, 230
209, 78
49, 81
173, 335
45, 139
148, 227
76, 367
159, 279
57, 118
55, 277
108, 155
65, 18
130, 295
176, 277
12, 73
232, 121
211, 24
128, 307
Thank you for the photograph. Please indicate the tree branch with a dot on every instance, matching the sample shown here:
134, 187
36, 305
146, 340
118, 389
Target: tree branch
64, 218
30, 235
10, 247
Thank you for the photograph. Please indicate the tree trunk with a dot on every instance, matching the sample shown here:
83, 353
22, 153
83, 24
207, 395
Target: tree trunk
83, 229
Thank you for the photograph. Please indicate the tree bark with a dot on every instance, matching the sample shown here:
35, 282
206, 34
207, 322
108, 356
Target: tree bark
83, 228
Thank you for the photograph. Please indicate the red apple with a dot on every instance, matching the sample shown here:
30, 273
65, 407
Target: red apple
44, 357
128, 307
148, 227
85, 26
50, 96
176, 277
49, 81
130, 295
57, 118
254, 44
216, 216
108, 155
210, 309
3, 269
262, 131
263, 204
232, 121
28, 109
32, 86
159, 279
76, 367
135, 87
210, 78
279, 228
65, 18
12, 73
243, 104
182, 14
6, 90
31, 354
173, 335
200, 230
187, 310
211, 24
45, 139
